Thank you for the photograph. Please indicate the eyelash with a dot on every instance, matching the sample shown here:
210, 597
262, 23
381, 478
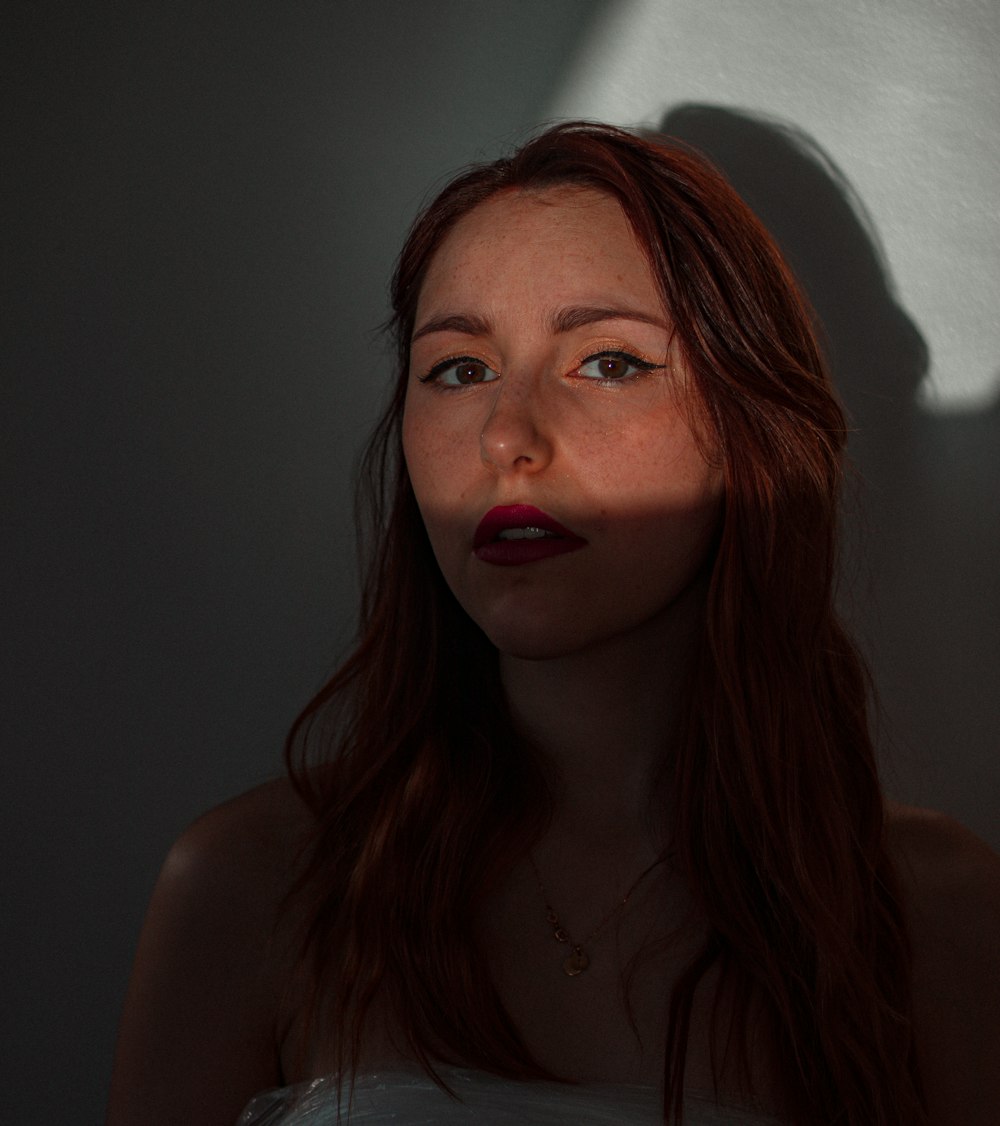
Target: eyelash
644, 368
445, 364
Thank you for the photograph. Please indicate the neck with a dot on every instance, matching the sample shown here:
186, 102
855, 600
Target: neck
603, 721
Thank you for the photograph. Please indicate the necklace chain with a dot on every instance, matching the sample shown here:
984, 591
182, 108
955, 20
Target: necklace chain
578, 960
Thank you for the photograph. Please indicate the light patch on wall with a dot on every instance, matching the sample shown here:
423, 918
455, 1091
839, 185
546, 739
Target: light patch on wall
903, 95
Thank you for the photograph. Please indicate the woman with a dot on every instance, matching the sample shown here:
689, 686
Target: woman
594, 819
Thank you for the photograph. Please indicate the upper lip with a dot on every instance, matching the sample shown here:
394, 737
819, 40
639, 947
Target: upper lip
499, 519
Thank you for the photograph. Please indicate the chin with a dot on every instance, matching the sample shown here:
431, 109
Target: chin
557, 631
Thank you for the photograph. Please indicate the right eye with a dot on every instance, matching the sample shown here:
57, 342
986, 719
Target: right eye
460, 371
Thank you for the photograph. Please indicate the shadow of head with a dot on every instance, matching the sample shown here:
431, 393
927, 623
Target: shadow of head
876, 354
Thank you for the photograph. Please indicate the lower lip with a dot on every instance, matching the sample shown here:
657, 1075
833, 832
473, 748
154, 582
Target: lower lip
512, 553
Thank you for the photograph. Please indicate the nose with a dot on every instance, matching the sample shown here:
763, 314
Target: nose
514, 437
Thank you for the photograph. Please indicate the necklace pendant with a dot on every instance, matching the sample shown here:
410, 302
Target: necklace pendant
576, 963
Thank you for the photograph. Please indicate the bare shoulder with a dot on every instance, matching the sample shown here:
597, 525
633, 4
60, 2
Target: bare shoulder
252, 840
231, 870
950, 878
950, 881
925, 837
200, 1032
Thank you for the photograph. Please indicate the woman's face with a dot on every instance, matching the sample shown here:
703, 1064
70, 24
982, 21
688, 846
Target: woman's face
547, 427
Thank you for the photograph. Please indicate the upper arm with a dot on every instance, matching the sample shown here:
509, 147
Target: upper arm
198, 1033
951, 886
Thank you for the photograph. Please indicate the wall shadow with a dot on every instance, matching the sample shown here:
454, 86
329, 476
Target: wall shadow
921, 548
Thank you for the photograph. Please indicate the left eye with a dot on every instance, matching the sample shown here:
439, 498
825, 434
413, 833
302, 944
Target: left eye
613, 366
460, 371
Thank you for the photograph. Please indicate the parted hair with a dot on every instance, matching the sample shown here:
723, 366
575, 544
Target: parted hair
424, 796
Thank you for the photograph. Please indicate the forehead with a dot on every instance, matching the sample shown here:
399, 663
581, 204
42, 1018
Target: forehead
562, 241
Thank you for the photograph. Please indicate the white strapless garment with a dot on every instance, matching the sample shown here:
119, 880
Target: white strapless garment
401, 1098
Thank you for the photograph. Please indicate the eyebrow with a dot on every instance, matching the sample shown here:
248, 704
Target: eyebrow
564, 320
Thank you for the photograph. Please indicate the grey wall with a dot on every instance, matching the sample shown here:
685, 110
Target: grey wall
206, 201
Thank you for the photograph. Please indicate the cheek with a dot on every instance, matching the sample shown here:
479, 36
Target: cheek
660, 470
435, 476
422, 452
411, 446
666, 511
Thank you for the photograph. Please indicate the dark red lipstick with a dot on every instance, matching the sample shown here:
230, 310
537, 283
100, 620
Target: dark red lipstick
490, 546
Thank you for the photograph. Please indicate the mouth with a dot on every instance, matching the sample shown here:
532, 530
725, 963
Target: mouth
521, 533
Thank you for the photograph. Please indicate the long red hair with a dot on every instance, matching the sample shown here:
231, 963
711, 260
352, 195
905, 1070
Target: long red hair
423, 795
